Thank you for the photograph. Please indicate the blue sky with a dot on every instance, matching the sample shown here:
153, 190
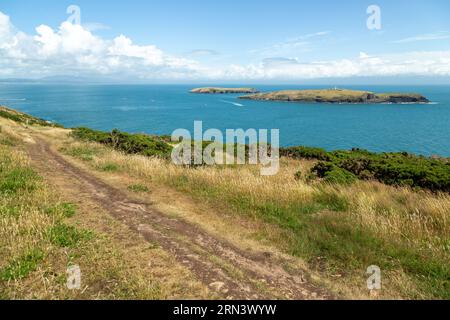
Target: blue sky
273, 40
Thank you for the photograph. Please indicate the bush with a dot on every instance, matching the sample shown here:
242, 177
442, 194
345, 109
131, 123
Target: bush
401, 169
305, 153
333, 174
142, 144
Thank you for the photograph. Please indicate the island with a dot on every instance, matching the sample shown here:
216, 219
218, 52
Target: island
337, 96
215, 90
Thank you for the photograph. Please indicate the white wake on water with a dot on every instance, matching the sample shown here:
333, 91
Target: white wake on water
233, 103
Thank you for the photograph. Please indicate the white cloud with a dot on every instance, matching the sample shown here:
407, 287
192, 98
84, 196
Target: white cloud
426, 37
75, 50
298, 44
415, 63
203, 53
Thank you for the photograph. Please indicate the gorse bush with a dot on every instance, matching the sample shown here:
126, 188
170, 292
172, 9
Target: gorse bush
305, 153
401, 169
129, 143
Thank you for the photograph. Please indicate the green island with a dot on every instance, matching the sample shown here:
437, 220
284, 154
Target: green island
337, 96
339, 212
215, 90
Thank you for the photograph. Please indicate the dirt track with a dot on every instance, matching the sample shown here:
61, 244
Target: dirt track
227, 270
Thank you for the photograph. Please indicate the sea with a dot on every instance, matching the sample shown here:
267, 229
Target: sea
160, 109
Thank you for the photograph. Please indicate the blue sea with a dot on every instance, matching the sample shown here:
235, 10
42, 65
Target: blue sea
160, 109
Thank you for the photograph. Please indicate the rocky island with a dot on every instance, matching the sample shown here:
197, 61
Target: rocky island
337, 96
213, 90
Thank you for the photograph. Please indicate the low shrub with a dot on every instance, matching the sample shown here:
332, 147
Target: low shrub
142, 144
401, 169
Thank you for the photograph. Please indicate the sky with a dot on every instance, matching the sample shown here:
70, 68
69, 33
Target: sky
220, 41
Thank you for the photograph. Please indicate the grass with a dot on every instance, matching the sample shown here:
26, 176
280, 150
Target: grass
138, 188
42, 234
23, 266
337, 228
109, 167
24, 118
66, 209
65, 236
85, 153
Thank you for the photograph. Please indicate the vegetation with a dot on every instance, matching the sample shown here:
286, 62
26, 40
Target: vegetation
338, 230
338, 96
138, 188
398, 169
24, 118
212, 90
41, 235
129, 143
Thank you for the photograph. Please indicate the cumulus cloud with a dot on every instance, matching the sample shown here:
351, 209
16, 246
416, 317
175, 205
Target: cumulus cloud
75, 50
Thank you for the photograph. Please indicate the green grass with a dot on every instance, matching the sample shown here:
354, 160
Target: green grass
65, 210
138, 188
109, 167
84, 153
23, 266
65, 236
14, 178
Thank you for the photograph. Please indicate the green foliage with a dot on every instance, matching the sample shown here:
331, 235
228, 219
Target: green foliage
400, 169
16, 178
109, 167
25, 118
84, 153
333, 174
65, 209
23, 266
66, 236
138, 188
332, 201
142, 144
305, 153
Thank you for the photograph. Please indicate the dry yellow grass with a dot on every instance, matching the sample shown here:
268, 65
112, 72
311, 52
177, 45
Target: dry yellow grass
401, 220
115, 262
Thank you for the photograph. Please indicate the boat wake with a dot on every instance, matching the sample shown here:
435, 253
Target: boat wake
233, 103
